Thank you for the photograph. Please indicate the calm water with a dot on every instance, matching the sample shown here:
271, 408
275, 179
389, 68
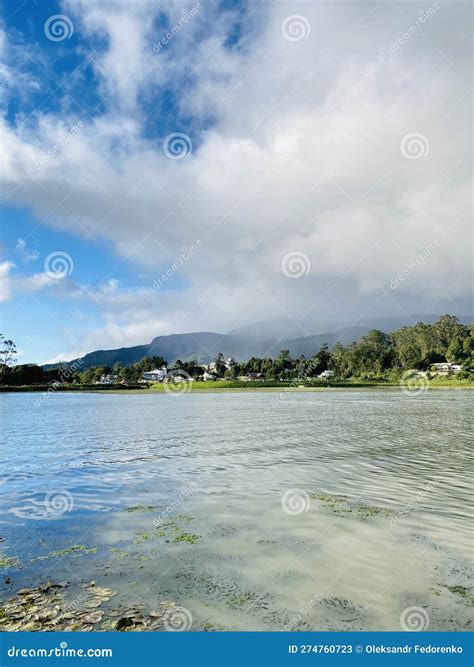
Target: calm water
180, 498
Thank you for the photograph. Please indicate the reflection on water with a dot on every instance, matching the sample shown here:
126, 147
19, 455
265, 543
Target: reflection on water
180, 498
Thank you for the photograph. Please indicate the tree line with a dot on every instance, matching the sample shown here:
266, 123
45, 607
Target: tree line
375, 356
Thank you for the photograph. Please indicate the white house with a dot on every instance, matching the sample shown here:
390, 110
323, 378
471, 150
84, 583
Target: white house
156, 375
326, 374
446, 368
212, 366
108, 379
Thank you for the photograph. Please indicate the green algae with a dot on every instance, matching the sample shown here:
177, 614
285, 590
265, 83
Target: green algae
170, 529
75, 551
213, 627
190, 538
142, 536
141, 508
463, 592
342, 507
119, 552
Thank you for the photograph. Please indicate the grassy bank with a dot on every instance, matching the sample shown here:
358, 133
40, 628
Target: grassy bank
229, 385
52, 389
234, 385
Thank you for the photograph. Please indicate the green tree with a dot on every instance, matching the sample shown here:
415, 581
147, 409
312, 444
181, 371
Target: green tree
8, 351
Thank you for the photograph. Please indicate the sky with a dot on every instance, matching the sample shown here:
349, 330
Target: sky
172, 167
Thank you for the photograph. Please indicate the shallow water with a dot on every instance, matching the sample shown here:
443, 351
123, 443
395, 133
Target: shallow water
180, 498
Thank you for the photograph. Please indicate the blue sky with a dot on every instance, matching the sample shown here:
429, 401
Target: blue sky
173, 167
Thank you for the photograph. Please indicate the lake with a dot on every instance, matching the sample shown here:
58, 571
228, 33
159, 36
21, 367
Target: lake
249, 510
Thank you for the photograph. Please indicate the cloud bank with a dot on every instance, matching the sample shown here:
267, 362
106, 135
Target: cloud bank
330, 129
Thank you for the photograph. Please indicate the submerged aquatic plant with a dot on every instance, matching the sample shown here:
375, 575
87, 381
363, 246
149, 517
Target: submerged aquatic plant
74, 550
342, 506
8, 561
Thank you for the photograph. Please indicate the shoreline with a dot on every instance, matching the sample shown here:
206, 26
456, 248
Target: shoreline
216, 387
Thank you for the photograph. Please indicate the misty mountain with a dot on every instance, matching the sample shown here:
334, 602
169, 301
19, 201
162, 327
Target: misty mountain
203, 346
289, 328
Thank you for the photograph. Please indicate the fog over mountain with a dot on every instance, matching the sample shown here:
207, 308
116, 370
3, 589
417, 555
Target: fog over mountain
325, 172
241, 344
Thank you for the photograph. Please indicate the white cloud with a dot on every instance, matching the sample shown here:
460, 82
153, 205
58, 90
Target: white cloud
259, 184
24, 253
5, 280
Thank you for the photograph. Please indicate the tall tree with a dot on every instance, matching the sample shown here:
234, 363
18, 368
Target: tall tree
7, 352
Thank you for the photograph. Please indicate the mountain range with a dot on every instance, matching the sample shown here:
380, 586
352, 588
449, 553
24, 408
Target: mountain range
245, 342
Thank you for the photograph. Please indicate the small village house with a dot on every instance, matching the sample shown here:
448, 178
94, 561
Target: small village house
108, 378
156, 375
446, 368
325, 375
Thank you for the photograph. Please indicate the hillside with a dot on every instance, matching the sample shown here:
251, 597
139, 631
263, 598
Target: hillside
203, 346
